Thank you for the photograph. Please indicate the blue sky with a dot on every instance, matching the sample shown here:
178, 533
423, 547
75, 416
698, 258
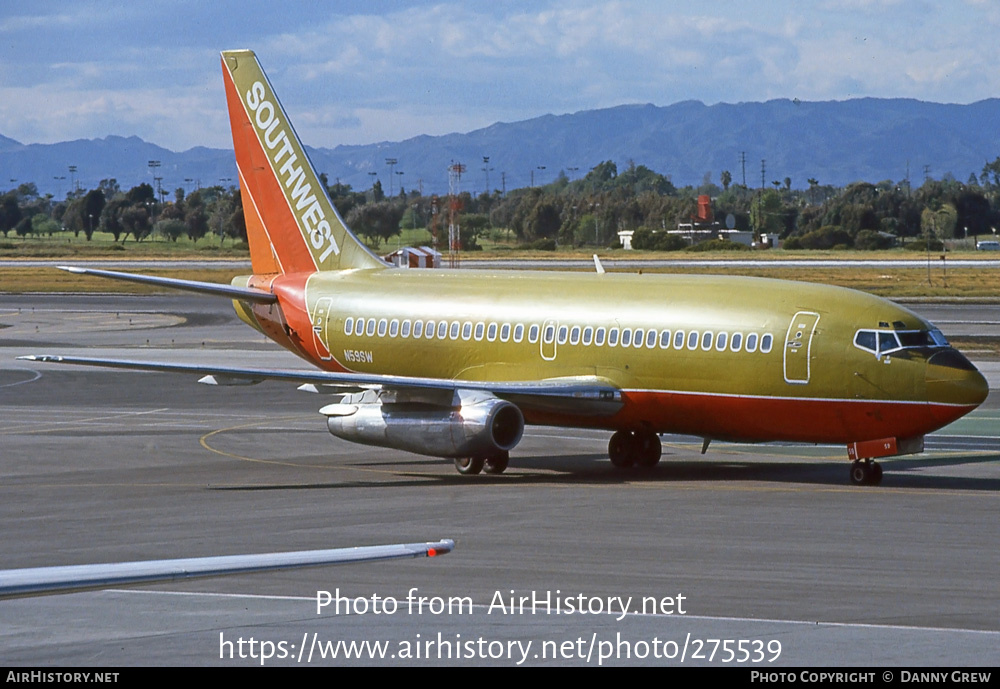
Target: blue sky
361, 72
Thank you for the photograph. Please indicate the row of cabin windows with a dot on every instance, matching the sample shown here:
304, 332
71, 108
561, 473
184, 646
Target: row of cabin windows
549, 333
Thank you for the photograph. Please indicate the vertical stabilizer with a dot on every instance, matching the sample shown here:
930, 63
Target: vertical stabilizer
291, 224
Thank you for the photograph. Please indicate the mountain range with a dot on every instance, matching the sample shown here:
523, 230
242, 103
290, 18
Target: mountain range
835, 142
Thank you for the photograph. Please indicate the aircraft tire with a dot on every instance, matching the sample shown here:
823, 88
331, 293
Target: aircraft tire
648, 450
467, 466
497, 464
875, 474
860, 475
621, 449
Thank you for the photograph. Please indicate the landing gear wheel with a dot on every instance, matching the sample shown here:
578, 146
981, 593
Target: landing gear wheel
468, 466
621, 449
875, 474
866, 473
859, 473
647, 450
497, 463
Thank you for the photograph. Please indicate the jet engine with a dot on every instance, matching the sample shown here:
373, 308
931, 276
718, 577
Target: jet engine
457, 424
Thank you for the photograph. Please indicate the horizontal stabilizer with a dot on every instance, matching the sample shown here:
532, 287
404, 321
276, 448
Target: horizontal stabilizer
243, 293
40, 581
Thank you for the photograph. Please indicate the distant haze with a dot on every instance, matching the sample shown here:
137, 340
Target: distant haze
835, 142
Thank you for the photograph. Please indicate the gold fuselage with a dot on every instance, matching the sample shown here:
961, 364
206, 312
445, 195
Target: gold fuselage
802, 334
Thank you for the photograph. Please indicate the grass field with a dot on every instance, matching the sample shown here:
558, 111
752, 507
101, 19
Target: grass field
938, 282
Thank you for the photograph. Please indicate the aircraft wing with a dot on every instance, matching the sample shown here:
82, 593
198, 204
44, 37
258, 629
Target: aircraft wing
588, 395
40, 581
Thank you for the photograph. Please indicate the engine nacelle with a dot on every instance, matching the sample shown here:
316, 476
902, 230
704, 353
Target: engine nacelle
474, 424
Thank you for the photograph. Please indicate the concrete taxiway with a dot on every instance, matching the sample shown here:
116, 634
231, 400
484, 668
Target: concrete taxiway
767, 547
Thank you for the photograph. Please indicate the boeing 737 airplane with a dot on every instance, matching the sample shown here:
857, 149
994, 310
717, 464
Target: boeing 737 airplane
454, 363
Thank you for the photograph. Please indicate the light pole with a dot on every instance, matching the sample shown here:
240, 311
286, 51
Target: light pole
153, 166
391, 162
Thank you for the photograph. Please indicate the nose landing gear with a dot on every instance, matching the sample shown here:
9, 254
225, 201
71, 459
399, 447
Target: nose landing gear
866, 473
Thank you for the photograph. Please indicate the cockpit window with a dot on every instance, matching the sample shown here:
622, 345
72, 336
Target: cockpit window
887, 342
865, 339
880, 342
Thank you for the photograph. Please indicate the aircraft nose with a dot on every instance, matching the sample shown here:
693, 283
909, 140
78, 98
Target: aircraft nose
952, 379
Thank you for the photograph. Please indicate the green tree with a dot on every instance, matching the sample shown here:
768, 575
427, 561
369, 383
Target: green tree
376, 222
135, 221
10, 212
111, 216
767, 214
43, 224
169, 229
93, 205
195, 216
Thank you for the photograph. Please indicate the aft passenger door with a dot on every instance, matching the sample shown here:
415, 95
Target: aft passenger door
320, 337
798, 346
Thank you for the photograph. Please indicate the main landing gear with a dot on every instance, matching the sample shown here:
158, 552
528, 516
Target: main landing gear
866, 472
496, 464
634, 448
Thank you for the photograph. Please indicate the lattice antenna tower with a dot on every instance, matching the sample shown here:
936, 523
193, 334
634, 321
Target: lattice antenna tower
455, 171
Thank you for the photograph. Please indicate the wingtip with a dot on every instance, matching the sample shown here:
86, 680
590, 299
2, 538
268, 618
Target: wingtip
73, 269
442, 547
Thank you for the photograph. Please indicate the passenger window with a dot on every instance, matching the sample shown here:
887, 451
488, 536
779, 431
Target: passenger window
626, 337
466, 330
429, 330
613, 337
491, 332
393, 328
505, 332
706, 342
752, 342
550, 334
664, 339
349, 326
765, 343
737, 342
533, 334
404, 330
418, 328
382, 325
442, 332
651, 339
679, 339
518, 332
370, 330
720, 341
563, 334
599, 337
574, 335
693, 339
455, 330
638, 336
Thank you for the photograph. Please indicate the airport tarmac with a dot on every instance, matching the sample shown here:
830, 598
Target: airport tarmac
767, 548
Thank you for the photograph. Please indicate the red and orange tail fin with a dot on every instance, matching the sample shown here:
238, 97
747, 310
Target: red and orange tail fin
291, 224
